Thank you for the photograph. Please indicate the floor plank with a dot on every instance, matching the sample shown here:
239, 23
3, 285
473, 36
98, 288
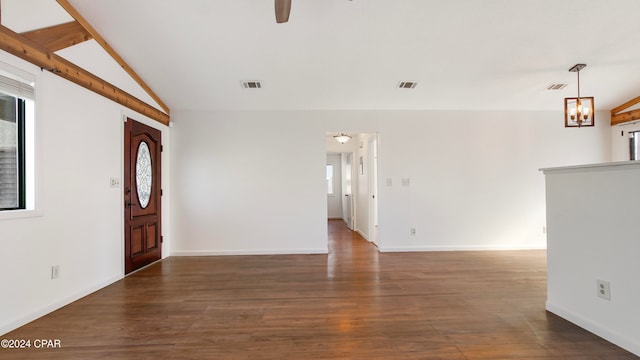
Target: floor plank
354, 303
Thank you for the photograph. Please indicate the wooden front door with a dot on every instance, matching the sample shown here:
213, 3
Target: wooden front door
142, 195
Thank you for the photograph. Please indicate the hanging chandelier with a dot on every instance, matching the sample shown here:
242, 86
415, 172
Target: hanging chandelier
578, 111
342, 138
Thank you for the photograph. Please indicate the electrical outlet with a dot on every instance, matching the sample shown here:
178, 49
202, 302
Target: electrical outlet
55, 272
413, 231
114, 182
604, 289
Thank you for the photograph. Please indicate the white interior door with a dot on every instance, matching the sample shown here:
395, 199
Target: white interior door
347, 198
373, 190
334, 186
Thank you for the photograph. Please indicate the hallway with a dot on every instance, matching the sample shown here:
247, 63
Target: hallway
354, 303
348, 250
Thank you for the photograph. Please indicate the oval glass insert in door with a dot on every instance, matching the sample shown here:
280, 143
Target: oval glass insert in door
144, 174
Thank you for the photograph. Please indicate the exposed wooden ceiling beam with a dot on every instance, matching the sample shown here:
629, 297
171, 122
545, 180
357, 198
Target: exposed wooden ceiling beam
618, 117
79, 18
624, 117
628, 104
59, 37
38, 55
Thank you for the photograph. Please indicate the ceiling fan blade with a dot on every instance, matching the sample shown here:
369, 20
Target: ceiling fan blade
283, 8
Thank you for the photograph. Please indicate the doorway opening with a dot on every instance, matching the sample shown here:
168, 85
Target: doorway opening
352, 185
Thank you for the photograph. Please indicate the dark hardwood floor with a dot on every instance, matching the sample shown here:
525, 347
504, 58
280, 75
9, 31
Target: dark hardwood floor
354, 303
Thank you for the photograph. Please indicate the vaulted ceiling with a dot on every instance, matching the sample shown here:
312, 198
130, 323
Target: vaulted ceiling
341, 54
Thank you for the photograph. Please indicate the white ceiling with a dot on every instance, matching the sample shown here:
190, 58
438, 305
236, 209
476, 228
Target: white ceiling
340, 54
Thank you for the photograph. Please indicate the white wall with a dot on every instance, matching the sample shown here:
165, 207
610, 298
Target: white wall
80, 218
593, 234
248, 183
474, 179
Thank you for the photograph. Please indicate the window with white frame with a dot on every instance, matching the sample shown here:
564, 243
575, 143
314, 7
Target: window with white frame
634, 145
16, 144
329, 179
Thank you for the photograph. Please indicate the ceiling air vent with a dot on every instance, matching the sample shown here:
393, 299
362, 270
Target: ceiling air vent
556, 86
253, 84
407, 84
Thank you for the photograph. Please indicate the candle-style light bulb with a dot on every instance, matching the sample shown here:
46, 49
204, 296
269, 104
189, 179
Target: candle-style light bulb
586, 113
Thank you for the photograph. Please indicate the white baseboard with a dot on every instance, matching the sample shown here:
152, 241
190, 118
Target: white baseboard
364, 236
249, 252
27, 318
631, 345
461, 248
